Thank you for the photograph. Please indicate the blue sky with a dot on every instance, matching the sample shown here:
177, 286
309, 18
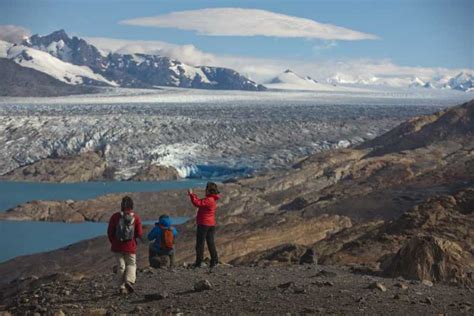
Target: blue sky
414, 33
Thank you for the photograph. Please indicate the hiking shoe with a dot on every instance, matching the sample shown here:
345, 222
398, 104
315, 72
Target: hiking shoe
123, 291
129, 287
197, 265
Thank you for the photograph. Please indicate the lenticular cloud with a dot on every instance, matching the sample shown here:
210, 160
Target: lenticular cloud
249, 22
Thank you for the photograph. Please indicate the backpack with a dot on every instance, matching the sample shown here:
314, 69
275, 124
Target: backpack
125, 230
167, 238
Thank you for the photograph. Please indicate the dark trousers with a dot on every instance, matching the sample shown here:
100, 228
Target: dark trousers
206, 233
155, 258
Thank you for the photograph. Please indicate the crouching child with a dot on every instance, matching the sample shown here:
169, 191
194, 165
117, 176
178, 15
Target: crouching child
163, 247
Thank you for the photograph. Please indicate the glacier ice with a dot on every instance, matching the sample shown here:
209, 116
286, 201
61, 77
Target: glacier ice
201, 133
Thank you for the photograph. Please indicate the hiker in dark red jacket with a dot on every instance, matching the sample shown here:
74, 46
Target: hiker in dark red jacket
206, 223
124, 228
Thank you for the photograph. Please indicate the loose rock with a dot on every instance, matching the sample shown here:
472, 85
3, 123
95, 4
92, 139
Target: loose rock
401, 285
427, 283
377, 286
327, 274
156, 296
202, 285
286, 285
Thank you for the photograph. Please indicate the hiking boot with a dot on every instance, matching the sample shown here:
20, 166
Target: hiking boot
123, 290
129, 287
198, 265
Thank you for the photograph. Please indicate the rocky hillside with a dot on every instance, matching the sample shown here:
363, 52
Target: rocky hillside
349, 205
87, 166
22, 81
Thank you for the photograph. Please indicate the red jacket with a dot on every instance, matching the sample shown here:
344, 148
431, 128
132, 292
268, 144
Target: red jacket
206, 214
127, 246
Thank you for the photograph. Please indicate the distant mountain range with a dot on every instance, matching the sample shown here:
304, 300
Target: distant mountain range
462, 81
75, 62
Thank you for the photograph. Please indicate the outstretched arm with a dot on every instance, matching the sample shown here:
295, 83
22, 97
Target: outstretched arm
197, 201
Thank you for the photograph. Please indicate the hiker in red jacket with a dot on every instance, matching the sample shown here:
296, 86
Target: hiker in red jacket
124, 228
206, 223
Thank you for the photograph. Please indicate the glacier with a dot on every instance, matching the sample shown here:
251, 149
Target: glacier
203, 133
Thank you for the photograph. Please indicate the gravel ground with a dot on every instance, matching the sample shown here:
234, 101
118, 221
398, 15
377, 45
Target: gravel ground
296, 290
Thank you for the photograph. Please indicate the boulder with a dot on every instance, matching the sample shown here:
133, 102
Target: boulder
308, 257
429, 258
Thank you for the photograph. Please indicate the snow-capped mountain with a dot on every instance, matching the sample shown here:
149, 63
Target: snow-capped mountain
52, 66
463, 81
418, 83
348, 79
289, 80
138, 70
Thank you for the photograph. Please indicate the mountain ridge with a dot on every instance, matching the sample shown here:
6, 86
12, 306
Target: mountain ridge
139, 70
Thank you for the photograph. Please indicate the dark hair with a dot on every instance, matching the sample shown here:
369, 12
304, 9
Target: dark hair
127, 203
211, 188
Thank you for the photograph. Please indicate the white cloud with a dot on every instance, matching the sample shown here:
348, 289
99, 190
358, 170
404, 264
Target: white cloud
188, 54
249, 22
13, 33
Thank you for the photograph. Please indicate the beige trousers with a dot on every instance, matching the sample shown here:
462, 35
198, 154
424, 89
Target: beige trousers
127, 268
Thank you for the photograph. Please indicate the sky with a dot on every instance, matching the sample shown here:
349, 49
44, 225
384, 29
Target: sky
261, 37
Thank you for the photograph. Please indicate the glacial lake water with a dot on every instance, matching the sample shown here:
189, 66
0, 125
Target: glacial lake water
22, 238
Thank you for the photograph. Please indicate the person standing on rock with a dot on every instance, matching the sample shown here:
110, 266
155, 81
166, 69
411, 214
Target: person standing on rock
206, 223
124, 228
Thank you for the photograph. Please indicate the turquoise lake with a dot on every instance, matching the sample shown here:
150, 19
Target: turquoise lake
22, 238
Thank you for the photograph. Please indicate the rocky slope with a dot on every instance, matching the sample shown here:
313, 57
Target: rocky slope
350, 205
87, 166
84, 167
447, 218
21, 81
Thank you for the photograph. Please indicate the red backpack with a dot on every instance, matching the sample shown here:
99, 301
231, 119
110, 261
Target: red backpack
167, 238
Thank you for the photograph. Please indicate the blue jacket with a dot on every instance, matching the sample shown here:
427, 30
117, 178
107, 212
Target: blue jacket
155, 234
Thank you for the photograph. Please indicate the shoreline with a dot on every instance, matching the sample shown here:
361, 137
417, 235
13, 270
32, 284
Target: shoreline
60, 235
